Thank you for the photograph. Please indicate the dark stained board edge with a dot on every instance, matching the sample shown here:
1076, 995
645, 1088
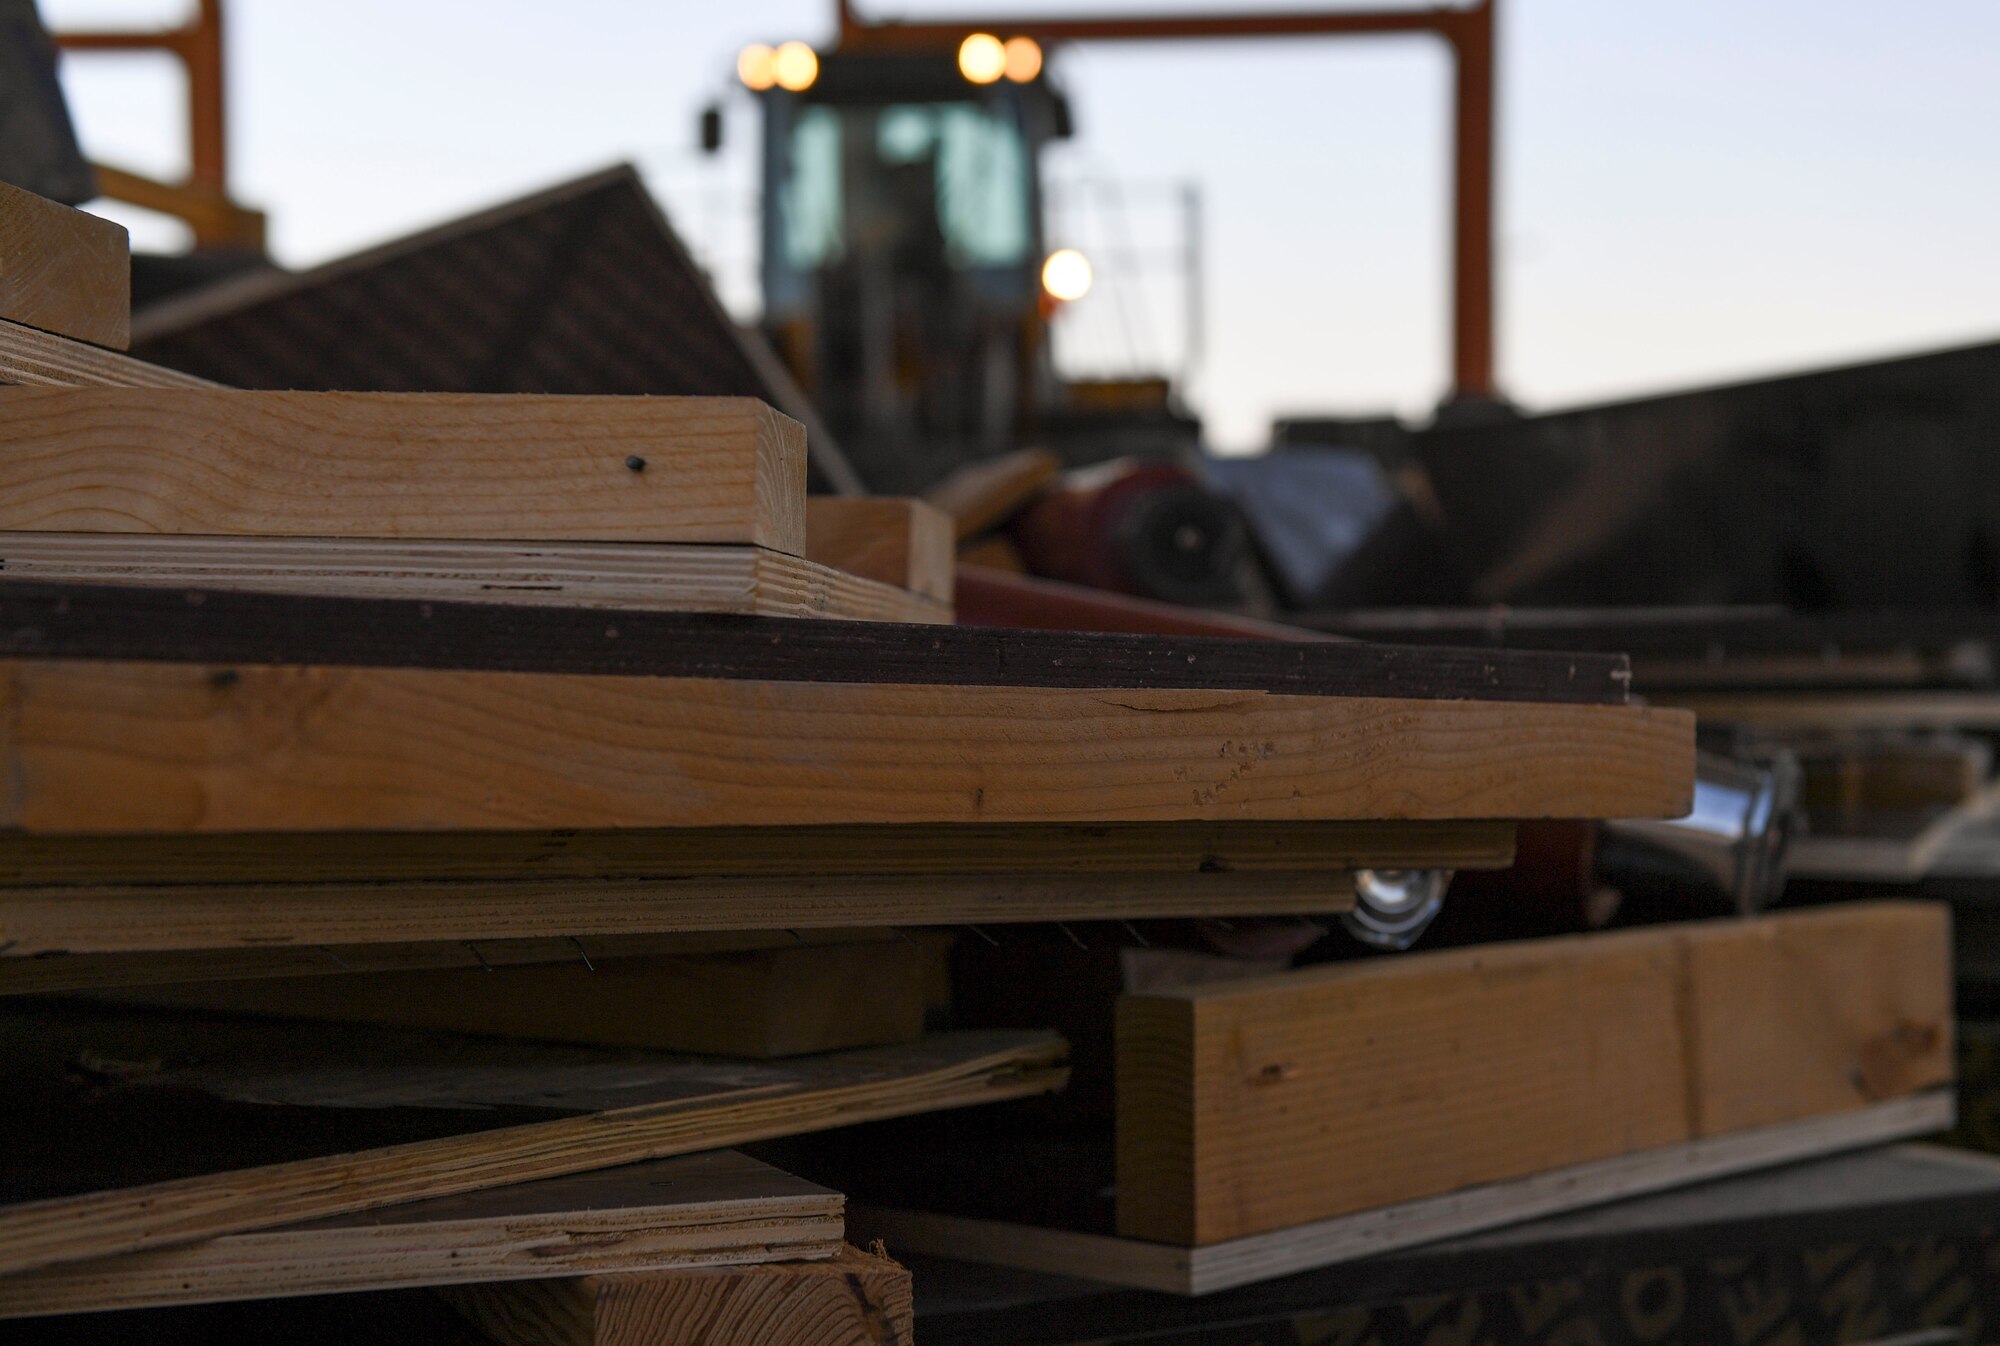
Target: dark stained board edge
65, 621
1715, 632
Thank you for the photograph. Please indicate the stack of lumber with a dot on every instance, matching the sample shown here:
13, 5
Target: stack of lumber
585, 786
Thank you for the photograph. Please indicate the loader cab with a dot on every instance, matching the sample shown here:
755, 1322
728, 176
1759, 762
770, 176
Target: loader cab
902, 254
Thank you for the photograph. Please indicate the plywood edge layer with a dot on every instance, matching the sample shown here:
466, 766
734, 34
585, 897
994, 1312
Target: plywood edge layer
970, 1069
132, 922
656, 577
701, 1210
104, 861
35, 358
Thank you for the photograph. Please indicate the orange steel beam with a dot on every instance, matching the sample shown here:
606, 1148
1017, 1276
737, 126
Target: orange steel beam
198, 47
1468, 31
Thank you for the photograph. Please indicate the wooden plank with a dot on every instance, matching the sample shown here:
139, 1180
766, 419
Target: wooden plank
1261, 1257
1817, 1012
1256, 1105
63, 270
984, 495
591, 1108
759, 1003
144, 920
907, 543
985, 595
854, 1299
800, 854
32, 975
113, 622
1848, 711
663, 577
136, 747
720, 1208
401, 465
40, 359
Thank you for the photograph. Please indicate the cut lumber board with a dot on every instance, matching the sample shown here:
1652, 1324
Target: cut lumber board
1816, 1011
1249, 1106
667, 577
143, 747
162, 1157
401, 465
986, 595
1848, 711
720, 1208
41, 359
1261, 1257
907, 543
984, 495
853, 1299
682, 858
141, 921
758, 1003
41, 975
122, 622
63, 270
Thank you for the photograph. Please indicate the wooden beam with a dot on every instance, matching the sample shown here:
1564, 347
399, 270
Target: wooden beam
695, 1210
985, 495
94, 972
688, 856
220, 627
64, 271
906, 543
142, 921
757, 1003
988, 596
39, 359
598, 1108
401, 465
853, 1299
136, 747
662, 577
1847, 712
1261, 1257
1256, 1105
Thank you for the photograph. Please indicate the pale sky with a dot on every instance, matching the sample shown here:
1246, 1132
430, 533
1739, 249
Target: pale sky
1691, 190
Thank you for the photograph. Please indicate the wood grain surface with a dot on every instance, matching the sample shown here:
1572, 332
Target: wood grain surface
719, 1208
401, 465
64, 271
853, 1299
136, 747
1251, 1106
1346, 1238
41, 359
138, 921
802, 854
588, 1108
93, 972
602, 576
902, 542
